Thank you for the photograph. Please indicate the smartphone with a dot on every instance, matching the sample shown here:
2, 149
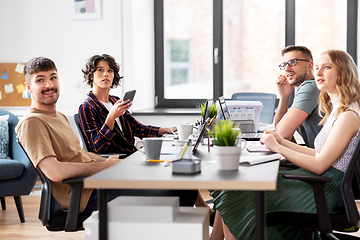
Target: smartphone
129, 95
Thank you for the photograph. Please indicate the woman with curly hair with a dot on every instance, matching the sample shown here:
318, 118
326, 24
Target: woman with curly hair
110, 128
108, 125
337, 78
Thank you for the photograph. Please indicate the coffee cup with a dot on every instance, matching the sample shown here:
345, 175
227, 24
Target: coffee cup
183, 130
152, 147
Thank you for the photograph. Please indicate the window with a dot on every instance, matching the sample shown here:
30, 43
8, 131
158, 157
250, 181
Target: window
253, 35
321, 30
188, 46
206, 49
177, 66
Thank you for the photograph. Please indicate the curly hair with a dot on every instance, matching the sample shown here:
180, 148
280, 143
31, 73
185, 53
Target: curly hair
90, 68
347, 84
304, 50
38, 64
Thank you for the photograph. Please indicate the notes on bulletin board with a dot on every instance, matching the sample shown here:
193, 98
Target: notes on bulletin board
12, 88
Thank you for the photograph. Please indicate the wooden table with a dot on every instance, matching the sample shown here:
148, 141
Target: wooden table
135, 173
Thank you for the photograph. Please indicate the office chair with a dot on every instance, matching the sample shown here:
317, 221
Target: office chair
17, 175
347, 220
86, 145
50, 213
268, 100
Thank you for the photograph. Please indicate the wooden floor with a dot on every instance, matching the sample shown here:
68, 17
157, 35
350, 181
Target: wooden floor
12, 229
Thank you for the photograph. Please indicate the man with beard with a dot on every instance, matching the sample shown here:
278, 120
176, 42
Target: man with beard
53, 146
297, 64
48, 138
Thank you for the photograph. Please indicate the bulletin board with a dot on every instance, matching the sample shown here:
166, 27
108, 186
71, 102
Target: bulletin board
12, 88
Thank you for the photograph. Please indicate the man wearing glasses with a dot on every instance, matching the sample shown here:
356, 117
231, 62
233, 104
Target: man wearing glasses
297, 66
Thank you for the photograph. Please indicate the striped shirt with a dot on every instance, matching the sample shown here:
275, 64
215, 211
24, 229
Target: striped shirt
92, 116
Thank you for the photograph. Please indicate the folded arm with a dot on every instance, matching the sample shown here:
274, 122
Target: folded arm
58, 171
345, 128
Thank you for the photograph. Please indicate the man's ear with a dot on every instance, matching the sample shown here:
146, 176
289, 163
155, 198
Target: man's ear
311, 65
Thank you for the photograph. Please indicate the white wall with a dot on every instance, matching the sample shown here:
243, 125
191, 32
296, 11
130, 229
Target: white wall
31, 28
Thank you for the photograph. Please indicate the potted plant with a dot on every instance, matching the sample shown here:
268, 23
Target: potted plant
213, 109
213, 112
226, 146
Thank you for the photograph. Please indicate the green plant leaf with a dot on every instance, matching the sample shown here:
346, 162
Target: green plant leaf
225, 133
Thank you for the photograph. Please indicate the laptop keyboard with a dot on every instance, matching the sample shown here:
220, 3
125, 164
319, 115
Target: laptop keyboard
251, 136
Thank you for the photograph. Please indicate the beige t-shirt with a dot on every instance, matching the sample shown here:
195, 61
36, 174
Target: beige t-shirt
44, 134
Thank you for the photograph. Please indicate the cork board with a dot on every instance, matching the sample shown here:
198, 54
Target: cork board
12, 88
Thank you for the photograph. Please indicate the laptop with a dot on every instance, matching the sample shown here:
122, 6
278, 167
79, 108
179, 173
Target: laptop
206, 123
246, 126
206, 113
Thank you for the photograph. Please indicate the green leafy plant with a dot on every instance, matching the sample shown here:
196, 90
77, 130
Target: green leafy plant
225, 133
213, 109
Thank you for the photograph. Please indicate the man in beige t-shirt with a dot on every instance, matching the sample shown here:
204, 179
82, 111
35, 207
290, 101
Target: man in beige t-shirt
52, 145
48, 138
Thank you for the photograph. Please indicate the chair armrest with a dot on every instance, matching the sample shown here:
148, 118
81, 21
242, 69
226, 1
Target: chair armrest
317, 183
308, 178
71, 181
76, 185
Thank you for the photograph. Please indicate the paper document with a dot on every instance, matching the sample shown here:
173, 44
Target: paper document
260, 159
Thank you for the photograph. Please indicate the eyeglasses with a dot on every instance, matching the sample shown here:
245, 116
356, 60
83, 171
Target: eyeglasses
291, 63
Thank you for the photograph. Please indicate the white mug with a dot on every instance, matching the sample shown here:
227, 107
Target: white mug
183, 130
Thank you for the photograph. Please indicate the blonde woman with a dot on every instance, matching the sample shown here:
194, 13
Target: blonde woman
337, 78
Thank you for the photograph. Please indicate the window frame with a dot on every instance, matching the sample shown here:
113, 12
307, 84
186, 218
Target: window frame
161, 102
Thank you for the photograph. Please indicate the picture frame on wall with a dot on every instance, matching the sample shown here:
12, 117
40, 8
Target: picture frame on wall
85, 9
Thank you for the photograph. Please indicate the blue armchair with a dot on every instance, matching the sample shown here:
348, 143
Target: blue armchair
17, 174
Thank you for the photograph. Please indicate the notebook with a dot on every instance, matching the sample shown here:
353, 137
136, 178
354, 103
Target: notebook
248, 132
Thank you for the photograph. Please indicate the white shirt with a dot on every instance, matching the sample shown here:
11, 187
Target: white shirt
108, 106
343, 161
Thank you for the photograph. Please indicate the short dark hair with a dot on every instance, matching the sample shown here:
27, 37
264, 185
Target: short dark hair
38, 64
90, 68
304, 50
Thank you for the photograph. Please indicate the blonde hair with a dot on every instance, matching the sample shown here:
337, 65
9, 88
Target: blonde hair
347, 84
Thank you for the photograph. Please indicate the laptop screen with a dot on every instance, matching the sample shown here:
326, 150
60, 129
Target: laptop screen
201, 134
206, 115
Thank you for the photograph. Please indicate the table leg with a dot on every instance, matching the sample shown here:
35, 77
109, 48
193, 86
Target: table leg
260, 225
102, 206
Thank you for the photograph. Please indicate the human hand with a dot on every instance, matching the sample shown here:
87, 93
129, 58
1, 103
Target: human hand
270, 140
277, 136
170, 130
173, 129
284, 88
114, 158
119, 108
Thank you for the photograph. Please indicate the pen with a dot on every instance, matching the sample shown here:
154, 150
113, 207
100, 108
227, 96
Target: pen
211, 121
156, 160
267, 130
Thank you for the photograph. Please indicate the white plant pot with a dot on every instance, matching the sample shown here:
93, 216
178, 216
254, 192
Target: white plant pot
228, 157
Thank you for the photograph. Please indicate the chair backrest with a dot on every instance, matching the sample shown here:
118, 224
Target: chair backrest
349, 182
45, 202
82, 135
29, 176
268, 100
